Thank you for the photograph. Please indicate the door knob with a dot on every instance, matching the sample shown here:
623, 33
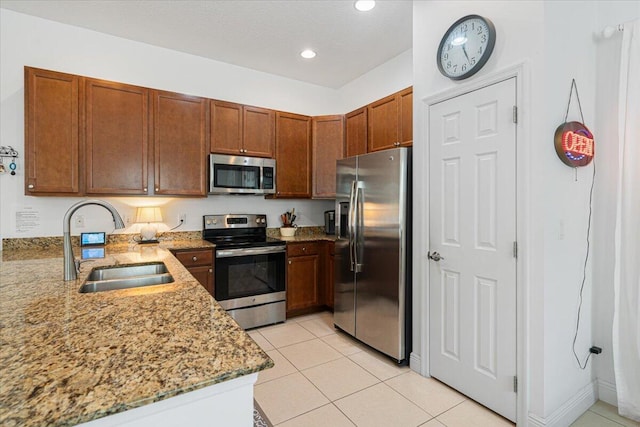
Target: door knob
434, 256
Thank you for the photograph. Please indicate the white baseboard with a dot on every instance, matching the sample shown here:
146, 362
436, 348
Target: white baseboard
569, 411
415, 362
607, 392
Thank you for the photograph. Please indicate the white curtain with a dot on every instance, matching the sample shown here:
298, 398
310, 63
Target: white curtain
626, 318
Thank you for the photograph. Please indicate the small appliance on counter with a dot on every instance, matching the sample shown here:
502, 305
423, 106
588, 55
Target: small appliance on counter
330, 222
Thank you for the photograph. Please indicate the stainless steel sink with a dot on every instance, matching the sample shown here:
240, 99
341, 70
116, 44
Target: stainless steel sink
126, 276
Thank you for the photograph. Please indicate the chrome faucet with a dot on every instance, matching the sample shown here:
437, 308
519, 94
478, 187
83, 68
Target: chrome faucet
69, 261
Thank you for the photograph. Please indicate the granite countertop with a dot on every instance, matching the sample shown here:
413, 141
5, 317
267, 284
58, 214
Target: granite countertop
67, 358
303, 234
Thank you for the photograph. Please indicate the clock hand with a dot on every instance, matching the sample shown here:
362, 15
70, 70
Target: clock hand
464, 49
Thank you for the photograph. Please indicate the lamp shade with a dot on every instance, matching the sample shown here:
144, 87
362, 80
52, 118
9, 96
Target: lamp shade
149, 214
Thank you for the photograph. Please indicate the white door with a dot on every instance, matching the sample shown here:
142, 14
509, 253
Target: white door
472, 227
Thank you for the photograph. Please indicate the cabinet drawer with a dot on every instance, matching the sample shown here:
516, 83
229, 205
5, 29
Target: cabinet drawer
195, 258
301, 249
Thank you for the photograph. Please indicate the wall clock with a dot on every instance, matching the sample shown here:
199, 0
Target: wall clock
466, 47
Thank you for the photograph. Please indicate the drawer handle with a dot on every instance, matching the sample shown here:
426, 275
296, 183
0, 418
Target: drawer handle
304, 249
195, 258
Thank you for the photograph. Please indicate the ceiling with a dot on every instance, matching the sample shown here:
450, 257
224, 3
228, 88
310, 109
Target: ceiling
262, 35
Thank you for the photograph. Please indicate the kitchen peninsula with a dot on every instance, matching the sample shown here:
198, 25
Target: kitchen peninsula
68, 358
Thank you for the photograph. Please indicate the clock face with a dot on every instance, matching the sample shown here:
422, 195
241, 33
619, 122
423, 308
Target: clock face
466, 47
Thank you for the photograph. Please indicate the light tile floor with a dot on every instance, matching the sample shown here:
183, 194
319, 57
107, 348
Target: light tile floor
323, 377
602, 414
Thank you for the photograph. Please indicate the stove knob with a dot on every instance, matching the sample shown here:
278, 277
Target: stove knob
257, 220
215, 221
208, 222
264, 220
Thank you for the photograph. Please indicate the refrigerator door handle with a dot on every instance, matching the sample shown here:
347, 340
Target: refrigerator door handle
357, 226
351, 220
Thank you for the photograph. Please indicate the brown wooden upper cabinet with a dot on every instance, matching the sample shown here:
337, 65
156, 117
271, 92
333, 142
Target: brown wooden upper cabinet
116, 138
52, 137
390, 121
241, 129
356, 132
179, 144
328, 138
293, 155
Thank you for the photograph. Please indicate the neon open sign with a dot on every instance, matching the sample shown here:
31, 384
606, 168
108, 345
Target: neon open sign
574, 144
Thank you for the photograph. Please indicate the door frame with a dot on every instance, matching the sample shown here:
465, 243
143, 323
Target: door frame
421, 265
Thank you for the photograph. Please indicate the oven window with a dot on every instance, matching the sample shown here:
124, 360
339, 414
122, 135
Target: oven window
249, 275
233, 176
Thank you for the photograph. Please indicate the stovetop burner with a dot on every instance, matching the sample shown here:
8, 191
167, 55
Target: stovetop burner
237, 231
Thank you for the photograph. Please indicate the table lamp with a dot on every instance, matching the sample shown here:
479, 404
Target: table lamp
148, 231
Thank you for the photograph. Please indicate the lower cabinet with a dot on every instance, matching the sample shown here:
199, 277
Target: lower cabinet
199, 262
303, 268
309, 277
329, 256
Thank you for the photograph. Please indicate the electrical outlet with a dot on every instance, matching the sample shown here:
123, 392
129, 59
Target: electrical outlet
182, 217
79, 221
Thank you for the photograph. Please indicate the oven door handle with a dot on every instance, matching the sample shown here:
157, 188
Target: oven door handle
227, 253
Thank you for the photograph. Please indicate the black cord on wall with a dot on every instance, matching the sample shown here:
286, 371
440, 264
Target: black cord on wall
584, 273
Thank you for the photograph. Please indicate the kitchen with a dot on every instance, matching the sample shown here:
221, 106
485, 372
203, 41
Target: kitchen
31, 41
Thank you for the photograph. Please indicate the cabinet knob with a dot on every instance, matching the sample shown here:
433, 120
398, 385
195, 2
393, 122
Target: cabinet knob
157, 189
31, 186
304, 249
289, 262
194, 259
211, 270
144, 189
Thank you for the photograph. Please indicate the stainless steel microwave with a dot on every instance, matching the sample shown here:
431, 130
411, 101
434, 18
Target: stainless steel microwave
241, 175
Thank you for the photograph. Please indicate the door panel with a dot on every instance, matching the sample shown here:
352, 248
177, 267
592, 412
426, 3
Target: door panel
116, 138
344, 280
380, 284
472, 225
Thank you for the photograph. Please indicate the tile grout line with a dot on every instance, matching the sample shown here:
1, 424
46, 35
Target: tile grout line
605, 417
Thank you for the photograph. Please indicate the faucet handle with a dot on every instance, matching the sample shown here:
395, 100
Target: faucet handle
78, 263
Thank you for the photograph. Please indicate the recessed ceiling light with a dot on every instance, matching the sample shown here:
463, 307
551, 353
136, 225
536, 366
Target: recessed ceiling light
365, 5
308, 54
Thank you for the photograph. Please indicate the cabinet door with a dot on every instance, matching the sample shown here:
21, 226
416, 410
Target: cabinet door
356, 132
116, 138
293, 155
302, 282
383, 124
226, 127
52, 139
204, 275
258, 133
329, 274
328, 141
180, 144
406, 116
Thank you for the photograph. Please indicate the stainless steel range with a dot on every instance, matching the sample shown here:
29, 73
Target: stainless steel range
250, 270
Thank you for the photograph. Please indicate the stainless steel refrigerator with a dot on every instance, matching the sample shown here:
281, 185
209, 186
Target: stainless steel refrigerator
373, 250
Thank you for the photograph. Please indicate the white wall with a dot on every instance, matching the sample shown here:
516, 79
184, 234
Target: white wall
390, 77
27, 40
555, 40
608, 63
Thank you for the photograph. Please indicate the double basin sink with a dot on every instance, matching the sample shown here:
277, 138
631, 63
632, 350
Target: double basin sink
126, 276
